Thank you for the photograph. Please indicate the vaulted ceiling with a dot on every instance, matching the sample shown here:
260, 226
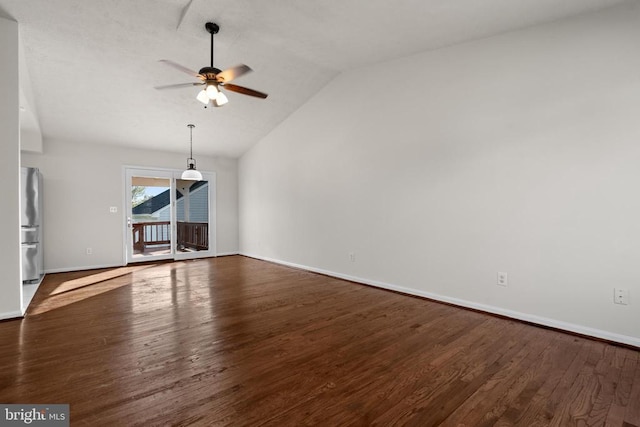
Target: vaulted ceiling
93, 64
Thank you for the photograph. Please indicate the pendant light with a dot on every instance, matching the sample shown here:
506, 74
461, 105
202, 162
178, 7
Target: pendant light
191, 173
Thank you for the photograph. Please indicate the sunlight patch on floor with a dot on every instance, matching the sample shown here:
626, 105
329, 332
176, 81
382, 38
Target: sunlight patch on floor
79, 289
81, 282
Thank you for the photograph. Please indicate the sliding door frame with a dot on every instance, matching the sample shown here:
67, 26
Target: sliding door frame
173, 175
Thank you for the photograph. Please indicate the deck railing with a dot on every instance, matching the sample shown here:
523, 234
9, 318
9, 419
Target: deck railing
193, 235
190, 235
151, 234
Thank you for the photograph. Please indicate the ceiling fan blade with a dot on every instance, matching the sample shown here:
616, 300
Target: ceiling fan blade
245, 90
178, 86
233, 73
181, 68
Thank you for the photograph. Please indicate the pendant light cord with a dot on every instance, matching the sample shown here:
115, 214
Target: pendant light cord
191, 174
191, 141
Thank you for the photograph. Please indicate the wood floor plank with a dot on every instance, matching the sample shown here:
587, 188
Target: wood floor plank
632, 414
622, 393
234, 341
435, 401
580, 397
530, 406
365, 379
487, 405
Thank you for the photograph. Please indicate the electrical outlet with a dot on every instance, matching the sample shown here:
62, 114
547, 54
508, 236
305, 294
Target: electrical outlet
621, 296
113, 209
502, 279
89, 251
352, 257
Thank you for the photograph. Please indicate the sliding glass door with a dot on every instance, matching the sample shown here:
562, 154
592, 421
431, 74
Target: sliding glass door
193, 218
167, 217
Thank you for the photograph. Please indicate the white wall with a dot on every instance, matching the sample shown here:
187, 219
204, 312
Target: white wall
11, 282
517, 153
81, 182
30, 133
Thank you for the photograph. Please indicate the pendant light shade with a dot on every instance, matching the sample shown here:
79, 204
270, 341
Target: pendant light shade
191, 173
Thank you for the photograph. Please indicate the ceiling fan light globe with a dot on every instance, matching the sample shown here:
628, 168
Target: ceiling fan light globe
203, 97
221, 99
212, 91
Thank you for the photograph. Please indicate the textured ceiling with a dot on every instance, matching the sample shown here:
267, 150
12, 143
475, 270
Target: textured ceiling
93, 64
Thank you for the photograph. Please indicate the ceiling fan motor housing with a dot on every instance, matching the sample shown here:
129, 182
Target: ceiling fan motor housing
209, 72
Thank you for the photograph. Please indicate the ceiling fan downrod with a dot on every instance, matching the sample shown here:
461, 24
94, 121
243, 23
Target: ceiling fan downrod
212, 28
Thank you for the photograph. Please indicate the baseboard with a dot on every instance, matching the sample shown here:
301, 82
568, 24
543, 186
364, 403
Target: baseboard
530, 318
227, 253
85, 267
11, 315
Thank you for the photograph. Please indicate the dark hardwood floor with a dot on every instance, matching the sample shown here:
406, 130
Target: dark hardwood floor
237, 341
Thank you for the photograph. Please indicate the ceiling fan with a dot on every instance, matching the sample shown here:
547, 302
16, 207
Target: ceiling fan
214, 79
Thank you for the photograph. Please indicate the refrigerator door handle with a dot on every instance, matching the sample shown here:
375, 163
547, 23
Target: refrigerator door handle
29, 234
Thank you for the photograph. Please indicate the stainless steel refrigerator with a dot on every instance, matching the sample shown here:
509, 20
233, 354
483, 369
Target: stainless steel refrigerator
31, 225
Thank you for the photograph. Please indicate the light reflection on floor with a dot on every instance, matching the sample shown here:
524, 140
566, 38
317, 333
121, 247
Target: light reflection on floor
168, 286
